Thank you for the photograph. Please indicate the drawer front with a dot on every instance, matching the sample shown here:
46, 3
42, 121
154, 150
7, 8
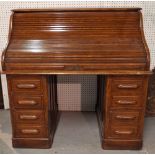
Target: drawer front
127, 87
123, 132
126, 101
30, 131
124, 118
27, 84
29, 116
27, 102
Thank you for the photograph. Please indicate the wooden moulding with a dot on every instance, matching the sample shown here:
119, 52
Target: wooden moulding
95, 72
76, 9
43, 143
125, 144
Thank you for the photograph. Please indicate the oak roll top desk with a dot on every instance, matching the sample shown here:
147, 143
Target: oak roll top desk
107, 42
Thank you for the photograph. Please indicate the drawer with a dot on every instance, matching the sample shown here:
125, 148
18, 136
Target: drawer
27, 84
27, 102
126, 101
127, 87
123, 132
30, 131
124, 118
29, 116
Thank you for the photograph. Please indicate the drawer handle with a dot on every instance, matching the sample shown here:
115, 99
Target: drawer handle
28, 117
125, 102
125, 117
124, 132
127, 86
27, 102
29, 131
26, 86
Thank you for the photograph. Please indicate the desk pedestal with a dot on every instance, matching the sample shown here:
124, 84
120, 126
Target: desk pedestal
34, 110
120, 110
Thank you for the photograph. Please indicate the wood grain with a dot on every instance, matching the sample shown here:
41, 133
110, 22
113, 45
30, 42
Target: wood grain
109, 43
88, 39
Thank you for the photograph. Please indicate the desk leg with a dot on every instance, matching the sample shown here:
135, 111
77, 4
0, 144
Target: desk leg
123, 111
53, 104
33, 110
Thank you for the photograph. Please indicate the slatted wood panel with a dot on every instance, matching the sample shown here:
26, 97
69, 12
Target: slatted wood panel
77, 35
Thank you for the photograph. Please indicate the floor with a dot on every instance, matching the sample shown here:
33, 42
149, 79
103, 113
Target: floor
77, 132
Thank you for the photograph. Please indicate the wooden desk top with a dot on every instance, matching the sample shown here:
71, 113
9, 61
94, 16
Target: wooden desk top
76, 9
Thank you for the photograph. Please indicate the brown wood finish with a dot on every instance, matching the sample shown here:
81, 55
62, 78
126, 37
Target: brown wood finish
123, 122
150, 109
30, 110
108, 43
112, 33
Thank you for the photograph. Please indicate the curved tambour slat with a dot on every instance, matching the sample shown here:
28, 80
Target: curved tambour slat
96, 38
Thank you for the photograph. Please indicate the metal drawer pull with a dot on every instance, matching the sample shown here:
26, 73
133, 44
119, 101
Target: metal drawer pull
29, 131
124, 132
27, 102
125, 117
127, 86
26, 86
126, 102
28, 117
